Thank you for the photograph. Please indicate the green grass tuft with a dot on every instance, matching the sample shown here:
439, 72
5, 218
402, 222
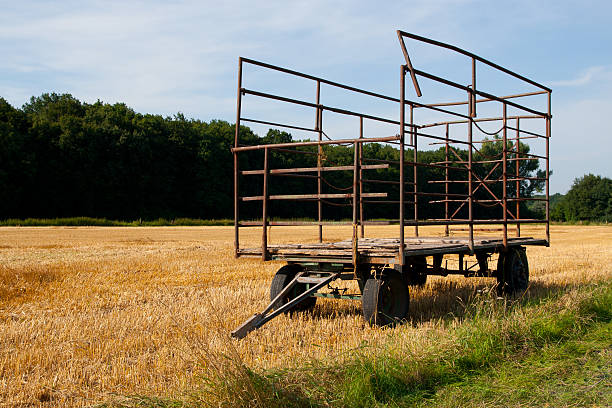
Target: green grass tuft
504, 352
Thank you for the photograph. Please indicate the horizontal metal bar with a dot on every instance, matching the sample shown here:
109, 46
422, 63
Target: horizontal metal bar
323, 107
528, 154
527, 178
309, 176
527, 199
314, 169
380, 160
457, 162
477, 92
310, 196
348, 87
411, 163
263, 122
524, 158
448, 112
291, 223
487, 161
474, 222
527, 132
454, 222
315, 143
385, 181
327, 259
442, 138
492, 119
310, 279
489, 200
488, 140
463, 181
322, 80
476, 57
488, 99
387, 202
337, 296
421, 193
479, 229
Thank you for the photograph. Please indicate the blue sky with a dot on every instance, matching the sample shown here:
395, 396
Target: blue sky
166, 57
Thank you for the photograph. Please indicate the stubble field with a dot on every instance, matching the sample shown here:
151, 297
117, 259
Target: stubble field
91, 314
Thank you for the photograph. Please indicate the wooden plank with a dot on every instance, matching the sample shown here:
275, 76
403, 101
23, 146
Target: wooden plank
381, 248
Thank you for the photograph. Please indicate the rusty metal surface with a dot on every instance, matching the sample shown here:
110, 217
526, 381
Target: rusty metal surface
410, 134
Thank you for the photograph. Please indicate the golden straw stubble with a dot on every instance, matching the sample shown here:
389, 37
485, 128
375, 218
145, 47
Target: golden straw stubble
90, 313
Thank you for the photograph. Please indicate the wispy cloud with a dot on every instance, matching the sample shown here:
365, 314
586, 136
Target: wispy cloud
153, 54
585, 78
161, 56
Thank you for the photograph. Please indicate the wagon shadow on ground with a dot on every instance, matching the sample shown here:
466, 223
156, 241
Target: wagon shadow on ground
443, 300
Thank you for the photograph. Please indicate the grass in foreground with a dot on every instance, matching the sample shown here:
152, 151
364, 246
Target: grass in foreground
577, 372
555, 352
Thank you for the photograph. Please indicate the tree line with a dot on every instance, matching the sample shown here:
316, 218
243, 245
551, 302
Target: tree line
61, 157
589, 199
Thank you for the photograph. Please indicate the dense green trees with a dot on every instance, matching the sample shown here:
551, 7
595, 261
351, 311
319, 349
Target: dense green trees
61, 157
589, 199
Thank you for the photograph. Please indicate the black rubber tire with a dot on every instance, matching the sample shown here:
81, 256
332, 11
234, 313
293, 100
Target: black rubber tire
282, 278
385, 300
512, 272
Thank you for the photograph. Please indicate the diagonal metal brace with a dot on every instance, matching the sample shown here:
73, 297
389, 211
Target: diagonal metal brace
259, 319
415, 82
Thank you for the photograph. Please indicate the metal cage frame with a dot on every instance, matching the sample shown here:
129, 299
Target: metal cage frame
410, 134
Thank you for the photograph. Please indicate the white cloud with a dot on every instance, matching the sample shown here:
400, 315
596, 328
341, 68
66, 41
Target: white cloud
585, 78
169, 56
145, 53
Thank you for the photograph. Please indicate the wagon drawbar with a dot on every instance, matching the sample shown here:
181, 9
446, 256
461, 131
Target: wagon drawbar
385, 268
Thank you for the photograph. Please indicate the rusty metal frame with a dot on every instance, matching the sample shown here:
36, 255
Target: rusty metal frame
453, 202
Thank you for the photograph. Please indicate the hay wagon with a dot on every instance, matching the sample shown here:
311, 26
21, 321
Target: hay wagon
475, 195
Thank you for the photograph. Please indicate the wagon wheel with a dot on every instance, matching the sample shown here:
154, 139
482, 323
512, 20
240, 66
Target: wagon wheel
282, 278
385, 300
512, 272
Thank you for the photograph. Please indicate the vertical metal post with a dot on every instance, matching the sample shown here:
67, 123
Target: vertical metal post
415, 136
356, 200
446, 164
264, 222
548, 119
318, 126
470, 187
517, 147
361, 177
236, 169
505, 176
401, 162
473, 111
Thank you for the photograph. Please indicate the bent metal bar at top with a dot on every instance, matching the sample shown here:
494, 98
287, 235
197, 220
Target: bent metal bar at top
409, 134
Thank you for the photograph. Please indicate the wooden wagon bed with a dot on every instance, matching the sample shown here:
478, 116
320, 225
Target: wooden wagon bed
383, 250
